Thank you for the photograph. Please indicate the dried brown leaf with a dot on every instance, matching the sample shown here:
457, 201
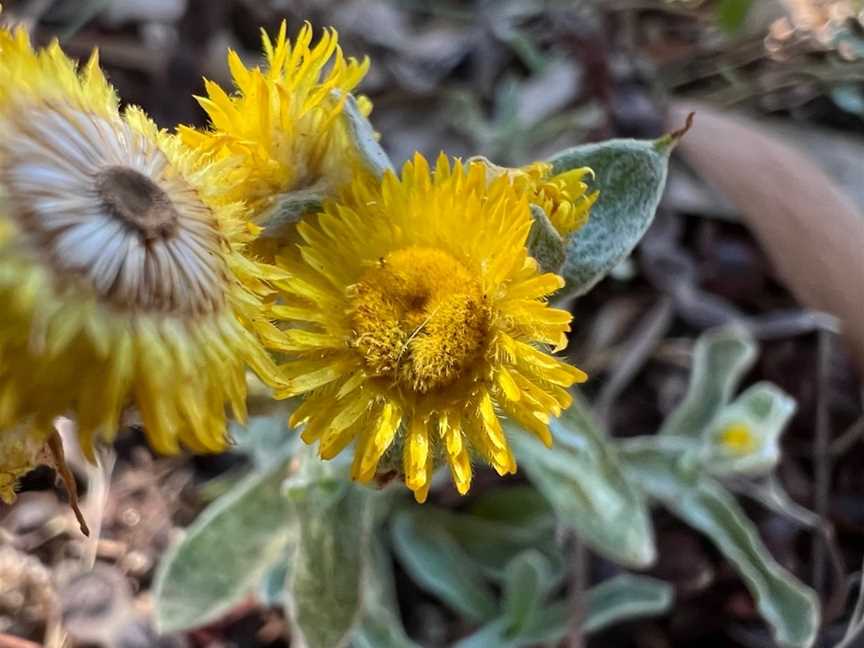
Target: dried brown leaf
811, 231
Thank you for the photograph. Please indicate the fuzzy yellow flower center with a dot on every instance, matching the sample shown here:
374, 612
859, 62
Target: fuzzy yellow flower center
420, 319
738, 439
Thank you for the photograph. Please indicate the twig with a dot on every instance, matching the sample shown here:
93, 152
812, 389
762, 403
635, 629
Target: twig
822, 456
578, 584
55, 445
849, 438
856, 623
851, 640
649, 331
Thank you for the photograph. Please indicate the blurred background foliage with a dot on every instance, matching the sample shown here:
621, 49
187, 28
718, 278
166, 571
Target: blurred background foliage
732, 539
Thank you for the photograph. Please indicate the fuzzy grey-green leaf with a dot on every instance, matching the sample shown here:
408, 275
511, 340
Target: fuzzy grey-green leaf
433, 558
521, 506
625, 597
323, 592
491, 542
582, 479
528, 580
286, 209
545, 243
720, 358
363, 136
790, 608
618, 599
380, 626
225, 553
630, 176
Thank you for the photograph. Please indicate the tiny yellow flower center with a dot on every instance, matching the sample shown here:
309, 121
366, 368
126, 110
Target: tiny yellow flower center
738, 439
420, 319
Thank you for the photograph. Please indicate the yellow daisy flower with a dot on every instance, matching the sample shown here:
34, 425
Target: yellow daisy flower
121, 279
419, 317
564, 196
281, 131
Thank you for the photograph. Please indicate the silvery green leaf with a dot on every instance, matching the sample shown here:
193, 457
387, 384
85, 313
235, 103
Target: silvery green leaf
492, 543
720, 359
582, 479
616, 600
328, 566
521, 506
310, 470
436, 562
493, 633
363, 136
271, 591
264, 439
630, 175
760, 413
286, 210
224, 554
789, 607
379, 629
545, 243
529, 579
380, 626
771, 494
619, 599
623, 598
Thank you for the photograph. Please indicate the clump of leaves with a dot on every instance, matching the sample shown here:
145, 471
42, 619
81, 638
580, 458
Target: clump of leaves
300, 535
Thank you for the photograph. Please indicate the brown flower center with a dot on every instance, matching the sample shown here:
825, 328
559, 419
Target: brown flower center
100, 203
137, 201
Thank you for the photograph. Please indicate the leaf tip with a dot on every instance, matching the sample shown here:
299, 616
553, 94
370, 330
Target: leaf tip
669, 141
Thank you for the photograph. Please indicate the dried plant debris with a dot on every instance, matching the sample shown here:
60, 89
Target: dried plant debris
28, 600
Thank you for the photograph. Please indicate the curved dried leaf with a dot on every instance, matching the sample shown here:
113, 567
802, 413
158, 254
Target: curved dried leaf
810, 229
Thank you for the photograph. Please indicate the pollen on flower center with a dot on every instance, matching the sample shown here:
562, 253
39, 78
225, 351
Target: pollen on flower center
419, 319
137, 201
